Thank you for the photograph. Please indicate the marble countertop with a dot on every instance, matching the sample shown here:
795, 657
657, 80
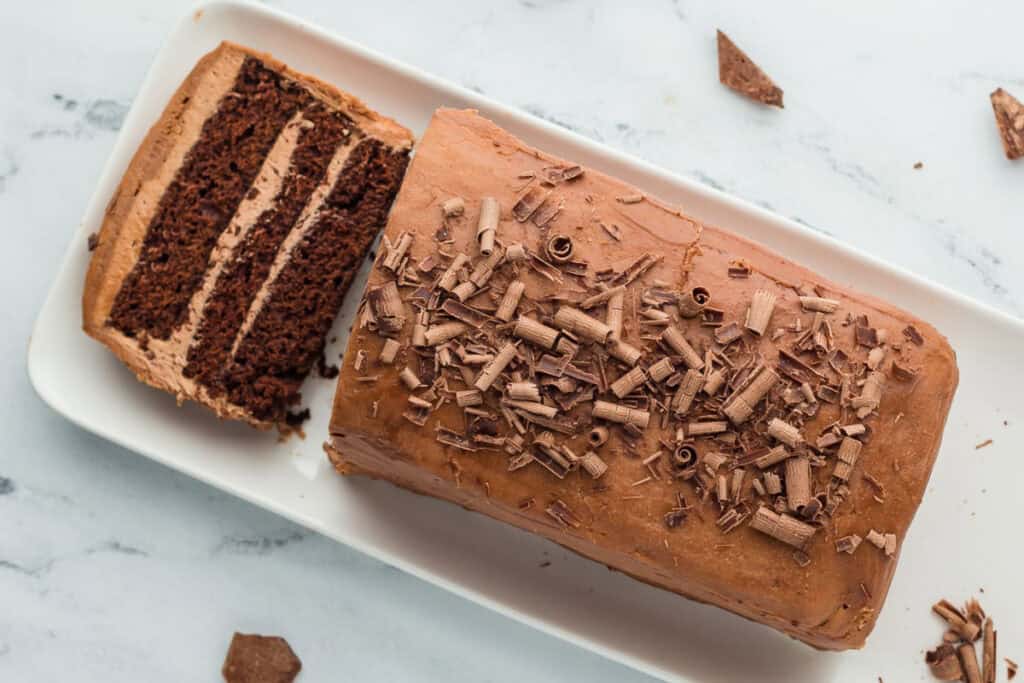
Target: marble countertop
117, 569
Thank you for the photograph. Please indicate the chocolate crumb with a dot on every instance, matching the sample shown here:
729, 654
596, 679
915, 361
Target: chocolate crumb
983, 444
918, 166
295, 419
93, 241
326, 371
260, 659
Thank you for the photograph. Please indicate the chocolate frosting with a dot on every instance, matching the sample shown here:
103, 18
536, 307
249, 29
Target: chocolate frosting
834, 600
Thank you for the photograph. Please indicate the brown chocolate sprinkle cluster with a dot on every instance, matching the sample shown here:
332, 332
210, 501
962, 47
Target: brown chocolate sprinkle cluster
956, 657
553, 382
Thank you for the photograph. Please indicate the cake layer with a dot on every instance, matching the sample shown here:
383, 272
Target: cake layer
235, 174
198, 204
286, 337
324, 134
660, 395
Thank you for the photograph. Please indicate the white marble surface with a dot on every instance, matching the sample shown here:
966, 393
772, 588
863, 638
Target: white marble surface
113, 568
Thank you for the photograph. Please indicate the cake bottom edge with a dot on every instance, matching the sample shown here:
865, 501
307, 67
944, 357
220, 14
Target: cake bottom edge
359, 461
145, 371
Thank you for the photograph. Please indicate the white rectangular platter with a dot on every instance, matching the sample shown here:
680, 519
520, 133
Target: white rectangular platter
964, 538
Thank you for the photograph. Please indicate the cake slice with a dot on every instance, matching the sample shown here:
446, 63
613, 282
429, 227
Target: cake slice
549, 346
228, 247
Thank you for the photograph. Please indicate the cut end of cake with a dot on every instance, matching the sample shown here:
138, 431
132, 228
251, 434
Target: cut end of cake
232, 239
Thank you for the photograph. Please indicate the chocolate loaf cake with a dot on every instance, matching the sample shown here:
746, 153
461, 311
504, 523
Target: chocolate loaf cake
549, 346
229, 244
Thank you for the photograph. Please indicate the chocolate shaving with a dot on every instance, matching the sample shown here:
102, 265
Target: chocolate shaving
386, 304
902, 373
561, 512
848, 544
453, 207
464, 313
545, 269
944, 663
865, 336
560, 425
729, 333
637, 268
795, 369
739, 271
417, 416
553, 175
450, 437
529, 202
547, 211
712, 317
613, 231
911, 333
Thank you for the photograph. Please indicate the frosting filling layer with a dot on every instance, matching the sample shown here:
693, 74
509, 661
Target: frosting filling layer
286, 335
321, 133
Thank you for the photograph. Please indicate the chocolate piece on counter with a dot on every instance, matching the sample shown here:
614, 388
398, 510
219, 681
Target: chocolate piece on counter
260, 659
737, 71
1010, 120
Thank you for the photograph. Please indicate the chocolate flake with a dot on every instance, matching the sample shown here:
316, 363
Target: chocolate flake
529, 202
547, 212
902, 373
562, 514
728, 333
266, 659
865, 336
944, 663
464, 313
911, 333
848, 544
739, 271
1009, 113
738, 72
613, 231
450, 437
